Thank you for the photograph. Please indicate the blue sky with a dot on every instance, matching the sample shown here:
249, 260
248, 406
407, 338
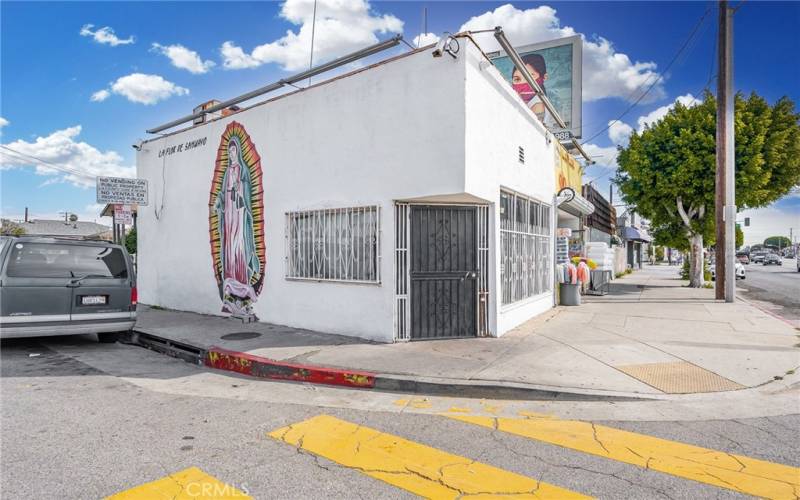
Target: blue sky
49, 74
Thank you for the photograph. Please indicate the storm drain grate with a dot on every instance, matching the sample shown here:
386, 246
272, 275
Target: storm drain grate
679, 378
241, 336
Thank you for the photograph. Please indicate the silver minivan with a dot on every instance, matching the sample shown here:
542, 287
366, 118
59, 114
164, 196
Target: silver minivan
61, 286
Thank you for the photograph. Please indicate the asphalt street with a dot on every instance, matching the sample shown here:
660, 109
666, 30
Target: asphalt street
87, 420
775, 288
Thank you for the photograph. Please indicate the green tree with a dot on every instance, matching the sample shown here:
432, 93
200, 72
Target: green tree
739, 237
778, 241
130, 241
668, 170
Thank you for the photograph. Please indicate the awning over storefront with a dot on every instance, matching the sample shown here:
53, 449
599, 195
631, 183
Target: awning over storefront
636, 234
576, 205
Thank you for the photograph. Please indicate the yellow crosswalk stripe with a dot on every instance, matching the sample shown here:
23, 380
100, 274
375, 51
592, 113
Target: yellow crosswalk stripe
726, 470
191, 483
420, 469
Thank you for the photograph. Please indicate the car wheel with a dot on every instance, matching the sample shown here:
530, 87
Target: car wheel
108, 337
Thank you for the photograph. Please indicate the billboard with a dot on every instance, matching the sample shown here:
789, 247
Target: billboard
556, 67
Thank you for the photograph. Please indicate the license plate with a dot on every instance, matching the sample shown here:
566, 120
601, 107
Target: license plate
93, 300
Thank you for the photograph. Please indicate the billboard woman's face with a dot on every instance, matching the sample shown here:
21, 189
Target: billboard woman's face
516, 76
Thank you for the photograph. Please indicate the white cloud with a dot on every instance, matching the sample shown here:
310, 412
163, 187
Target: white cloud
100, 95
184, 58
603, 156
145, 89
342, 26
619, 132
236, 58
424, 39
105, 35
769, 221
659, 113
61, 148
3, 122
606, 72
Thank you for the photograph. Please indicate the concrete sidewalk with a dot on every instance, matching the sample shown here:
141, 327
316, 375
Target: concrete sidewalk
650, 336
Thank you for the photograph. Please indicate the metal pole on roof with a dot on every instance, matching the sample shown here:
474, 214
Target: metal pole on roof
341, 61
520, 65
313, 29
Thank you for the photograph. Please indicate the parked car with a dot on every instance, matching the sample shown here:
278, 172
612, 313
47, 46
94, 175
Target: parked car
743, 258
738, 272
61, 286
757, 257
773, 258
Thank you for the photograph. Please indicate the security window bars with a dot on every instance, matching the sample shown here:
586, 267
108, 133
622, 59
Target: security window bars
525, 247
402, 235
341, 244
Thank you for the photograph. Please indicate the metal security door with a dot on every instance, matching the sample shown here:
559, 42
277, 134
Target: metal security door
444, 272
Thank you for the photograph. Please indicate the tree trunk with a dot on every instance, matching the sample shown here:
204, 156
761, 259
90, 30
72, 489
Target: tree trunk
696, 261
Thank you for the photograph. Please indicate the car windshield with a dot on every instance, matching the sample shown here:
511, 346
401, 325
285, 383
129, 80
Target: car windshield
43, 260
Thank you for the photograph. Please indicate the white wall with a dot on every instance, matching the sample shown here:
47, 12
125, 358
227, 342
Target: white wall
417, 127
497, 124
391, 132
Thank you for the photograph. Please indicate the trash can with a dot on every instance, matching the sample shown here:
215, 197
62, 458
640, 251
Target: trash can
570, 294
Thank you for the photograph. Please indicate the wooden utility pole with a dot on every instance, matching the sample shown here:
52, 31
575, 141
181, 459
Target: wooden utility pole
725, 202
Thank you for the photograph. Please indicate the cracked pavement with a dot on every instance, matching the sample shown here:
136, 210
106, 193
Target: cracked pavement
75, 428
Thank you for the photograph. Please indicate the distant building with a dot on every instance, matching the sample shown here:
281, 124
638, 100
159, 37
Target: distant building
633, 232
117, 231
44, 227
602, 223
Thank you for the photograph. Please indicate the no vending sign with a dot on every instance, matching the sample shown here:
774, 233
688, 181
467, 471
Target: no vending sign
122, 190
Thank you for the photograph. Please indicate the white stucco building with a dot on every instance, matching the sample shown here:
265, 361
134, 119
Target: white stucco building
410, 199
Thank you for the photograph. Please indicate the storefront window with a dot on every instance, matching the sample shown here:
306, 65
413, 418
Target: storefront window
525, 247
505, 211
334, 244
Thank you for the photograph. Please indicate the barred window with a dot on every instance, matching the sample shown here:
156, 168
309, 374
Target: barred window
340, 244
525, 247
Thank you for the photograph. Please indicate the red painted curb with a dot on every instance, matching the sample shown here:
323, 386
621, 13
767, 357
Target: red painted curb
256, 366
765, 310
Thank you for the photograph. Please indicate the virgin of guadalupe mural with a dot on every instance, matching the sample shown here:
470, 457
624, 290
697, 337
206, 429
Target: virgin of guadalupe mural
236, 222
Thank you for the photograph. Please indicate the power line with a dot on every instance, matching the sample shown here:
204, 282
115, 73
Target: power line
26, 158
409, 45
666, 70
18, 155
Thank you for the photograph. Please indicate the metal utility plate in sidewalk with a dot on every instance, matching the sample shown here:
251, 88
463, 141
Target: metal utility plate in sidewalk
679, 378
